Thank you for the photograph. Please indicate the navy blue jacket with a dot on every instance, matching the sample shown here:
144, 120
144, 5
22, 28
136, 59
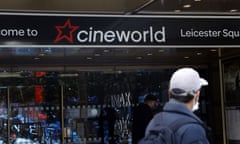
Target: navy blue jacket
187, 134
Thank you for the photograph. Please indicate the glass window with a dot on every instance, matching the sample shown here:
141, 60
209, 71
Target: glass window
76, 107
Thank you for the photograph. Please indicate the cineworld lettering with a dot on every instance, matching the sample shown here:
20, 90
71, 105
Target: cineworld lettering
145, 36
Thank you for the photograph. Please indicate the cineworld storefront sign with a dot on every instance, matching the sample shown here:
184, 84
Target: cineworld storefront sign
122, 36
69, 30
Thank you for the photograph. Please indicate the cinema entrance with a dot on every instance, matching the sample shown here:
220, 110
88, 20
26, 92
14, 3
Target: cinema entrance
71, 81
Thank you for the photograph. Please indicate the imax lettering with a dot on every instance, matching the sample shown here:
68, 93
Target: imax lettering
150, 35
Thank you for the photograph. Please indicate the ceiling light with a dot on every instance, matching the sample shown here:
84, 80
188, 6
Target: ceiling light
119, 71
199, 53
41, 54
233, 10
213, 50
96, 54
177, 10
88, 58
139, 57
106, 50
36, 58
186, 57
161, 50
47, 50
197, 0
186, 6
149, 54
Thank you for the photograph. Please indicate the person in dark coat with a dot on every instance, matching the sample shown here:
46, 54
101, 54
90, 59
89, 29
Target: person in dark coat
184, 92
142, 114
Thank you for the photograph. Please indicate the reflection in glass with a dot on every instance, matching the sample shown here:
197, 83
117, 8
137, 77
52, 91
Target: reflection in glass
97, 105
35, 112
75, 107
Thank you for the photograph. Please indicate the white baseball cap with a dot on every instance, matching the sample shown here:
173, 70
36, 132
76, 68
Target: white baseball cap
186, 81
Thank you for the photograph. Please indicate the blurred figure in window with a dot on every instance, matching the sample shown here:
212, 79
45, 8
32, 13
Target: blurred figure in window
142, 115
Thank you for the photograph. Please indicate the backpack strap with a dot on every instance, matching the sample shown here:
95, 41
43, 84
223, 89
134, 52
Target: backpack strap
173, 127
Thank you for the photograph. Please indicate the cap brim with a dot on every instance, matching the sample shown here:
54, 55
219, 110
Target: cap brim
203, 82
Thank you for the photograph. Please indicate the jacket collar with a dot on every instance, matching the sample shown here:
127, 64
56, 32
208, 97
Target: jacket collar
180, 108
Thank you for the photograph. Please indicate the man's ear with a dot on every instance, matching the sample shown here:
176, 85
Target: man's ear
197, 95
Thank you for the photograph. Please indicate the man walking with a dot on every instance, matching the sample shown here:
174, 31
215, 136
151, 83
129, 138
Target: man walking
184, 92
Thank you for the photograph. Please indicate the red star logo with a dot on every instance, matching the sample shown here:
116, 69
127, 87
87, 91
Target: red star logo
65, 32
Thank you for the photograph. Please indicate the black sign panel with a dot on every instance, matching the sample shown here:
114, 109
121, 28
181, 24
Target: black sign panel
114, 30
